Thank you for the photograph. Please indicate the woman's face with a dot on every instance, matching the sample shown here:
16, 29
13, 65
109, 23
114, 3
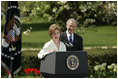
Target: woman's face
55, 35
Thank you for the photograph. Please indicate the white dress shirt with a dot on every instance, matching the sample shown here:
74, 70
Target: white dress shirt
69, 35
51, 46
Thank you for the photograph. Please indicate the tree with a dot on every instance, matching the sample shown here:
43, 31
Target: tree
85, 12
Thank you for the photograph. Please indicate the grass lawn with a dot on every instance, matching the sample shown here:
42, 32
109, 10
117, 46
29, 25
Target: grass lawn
102, 36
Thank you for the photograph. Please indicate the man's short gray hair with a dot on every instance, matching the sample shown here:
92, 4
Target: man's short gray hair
73, 20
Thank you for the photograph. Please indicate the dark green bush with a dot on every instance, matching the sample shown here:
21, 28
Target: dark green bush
98, 56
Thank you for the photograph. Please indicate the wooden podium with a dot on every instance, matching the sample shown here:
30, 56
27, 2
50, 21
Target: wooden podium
70, 64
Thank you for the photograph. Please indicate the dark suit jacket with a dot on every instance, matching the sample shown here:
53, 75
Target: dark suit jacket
77, 45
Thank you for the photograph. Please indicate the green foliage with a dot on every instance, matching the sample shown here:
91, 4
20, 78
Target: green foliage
4, 6
29, 60
103, 70
26, 7
85, 12
102, 55
98, 56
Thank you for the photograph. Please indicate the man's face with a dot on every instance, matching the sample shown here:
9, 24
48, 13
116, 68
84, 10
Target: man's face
71, 26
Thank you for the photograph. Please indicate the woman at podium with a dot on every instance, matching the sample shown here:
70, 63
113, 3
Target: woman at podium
54, 44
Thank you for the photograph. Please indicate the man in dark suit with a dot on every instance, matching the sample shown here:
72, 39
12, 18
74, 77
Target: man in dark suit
72, 41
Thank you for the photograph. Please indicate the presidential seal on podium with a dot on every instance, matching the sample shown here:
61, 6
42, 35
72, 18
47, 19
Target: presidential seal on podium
72, 62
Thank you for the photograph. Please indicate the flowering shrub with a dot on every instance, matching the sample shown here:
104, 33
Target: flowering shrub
29, 70
7, 72
104, 70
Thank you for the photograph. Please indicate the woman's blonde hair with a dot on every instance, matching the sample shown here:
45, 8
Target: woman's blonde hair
52, 28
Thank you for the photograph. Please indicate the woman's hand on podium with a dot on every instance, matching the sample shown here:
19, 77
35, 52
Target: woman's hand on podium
51, 51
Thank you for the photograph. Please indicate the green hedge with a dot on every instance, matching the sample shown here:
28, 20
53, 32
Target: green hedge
99, 56
95, 56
